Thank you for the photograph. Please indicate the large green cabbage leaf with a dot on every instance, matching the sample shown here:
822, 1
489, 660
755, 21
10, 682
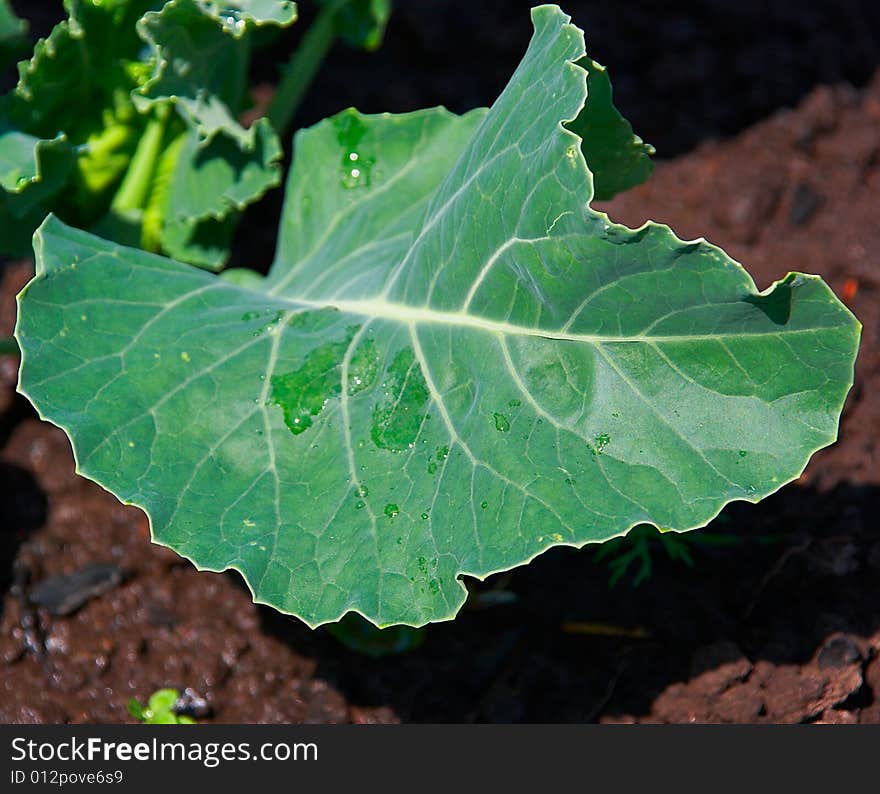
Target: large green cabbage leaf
453, 365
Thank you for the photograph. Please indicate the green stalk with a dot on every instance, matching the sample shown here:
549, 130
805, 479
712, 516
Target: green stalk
157, 201
8, 346
135, 188
300, 71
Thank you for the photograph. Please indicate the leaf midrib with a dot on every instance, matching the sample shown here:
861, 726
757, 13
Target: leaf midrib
380, 309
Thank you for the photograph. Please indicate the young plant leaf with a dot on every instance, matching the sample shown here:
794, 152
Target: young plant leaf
76, 73
210, 184
31, 167
200, 53
453, 365
32, 170
88, 133
69, 108
239, 14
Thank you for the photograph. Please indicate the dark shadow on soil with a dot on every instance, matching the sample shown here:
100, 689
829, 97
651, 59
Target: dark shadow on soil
19, 410
777, 582
23, 509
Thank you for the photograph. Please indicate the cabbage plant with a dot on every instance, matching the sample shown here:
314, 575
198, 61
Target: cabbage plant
454, 364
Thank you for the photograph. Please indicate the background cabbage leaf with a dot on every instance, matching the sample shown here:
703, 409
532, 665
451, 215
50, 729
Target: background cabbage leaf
87, 132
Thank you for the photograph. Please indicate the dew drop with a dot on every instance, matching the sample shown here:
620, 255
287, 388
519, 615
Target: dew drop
392, 510
424, 516
232, 21
356, 166
743, 453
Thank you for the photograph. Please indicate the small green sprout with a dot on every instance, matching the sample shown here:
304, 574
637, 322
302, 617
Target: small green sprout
637, 547
159, 709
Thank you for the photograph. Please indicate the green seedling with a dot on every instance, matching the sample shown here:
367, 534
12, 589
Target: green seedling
159, 709
454, 363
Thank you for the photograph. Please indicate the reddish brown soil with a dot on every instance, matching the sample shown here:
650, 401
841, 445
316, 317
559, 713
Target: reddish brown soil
782, 624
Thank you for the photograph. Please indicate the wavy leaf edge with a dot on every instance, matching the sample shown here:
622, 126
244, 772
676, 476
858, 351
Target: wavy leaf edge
51, 223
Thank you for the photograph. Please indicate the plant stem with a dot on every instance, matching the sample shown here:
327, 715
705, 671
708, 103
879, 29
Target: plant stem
135, 188
301, 69
8, 346
157, 199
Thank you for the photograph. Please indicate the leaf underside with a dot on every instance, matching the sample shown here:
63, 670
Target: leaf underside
453, 365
